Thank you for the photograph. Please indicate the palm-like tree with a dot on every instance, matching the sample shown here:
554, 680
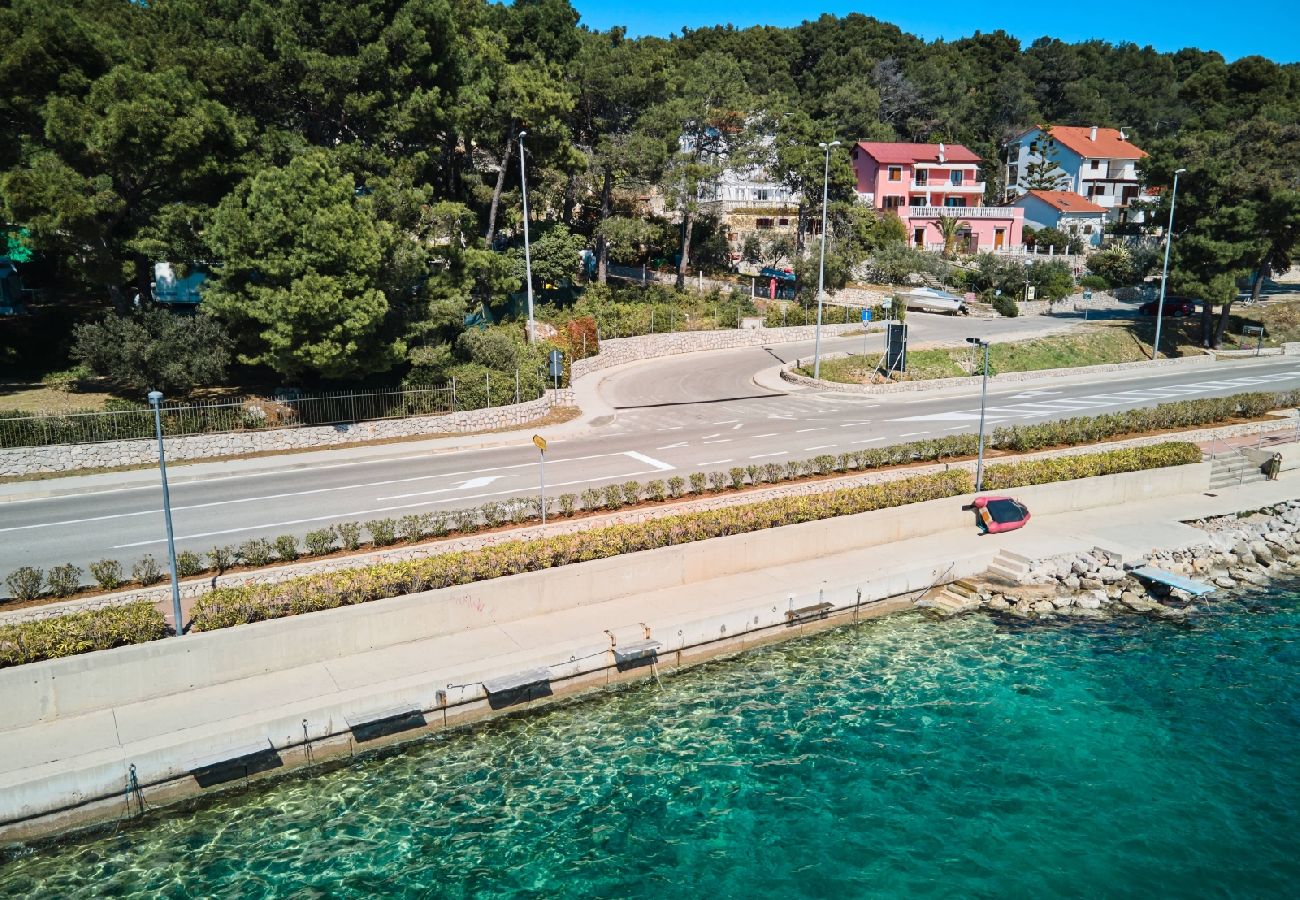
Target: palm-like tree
949, 226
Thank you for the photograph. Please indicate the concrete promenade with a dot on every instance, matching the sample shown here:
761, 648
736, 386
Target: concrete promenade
296, 691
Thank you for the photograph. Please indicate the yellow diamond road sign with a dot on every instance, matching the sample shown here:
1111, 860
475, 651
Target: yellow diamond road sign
540, 442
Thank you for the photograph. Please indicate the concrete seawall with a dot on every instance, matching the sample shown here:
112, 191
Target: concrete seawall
74, 730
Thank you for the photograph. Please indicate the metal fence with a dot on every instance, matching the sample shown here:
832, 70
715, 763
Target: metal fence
249, 414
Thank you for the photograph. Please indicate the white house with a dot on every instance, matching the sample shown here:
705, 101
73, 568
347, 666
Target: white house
1076, 216
1099, 164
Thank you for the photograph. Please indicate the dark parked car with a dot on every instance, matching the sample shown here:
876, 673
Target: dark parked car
1174, 306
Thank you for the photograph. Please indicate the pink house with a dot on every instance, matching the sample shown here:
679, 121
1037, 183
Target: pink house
921, 182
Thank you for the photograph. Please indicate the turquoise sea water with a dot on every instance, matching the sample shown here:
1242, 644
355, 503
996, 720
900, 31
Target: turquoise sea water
897, 758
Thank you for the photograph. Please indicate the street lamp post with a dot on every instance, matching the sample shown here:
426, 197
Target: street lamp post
821, 267
1164, 273
984, 394
528, 259
155, 400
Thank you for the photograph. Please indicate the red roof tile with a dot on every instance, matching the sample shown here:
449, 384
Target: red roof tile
899, 153
1067, 202
1108, 145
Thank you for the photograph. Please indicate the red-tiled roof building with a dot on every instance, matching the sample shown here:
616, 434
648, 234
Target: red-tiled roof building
1098, 164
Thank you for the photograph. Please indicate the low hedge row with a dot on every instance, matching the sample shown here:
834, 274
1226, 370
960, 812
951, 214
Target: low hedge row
81, 632
225, 607
1089, 465
1179, 414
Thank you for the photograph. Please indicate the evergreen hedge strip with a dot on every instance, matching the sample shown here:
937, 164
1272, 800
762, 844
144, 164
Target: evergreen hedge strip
80, 632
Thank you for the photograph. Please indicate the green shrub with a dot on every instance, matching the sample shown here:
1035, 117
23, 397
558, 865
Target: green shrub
494, 513
755, 473
522, 509
466, 520
349, 535
147, 571
221, 558
438, 524
321, 541
286, 547
591, 499
631, 492
255, 602
772, 472
793, 469
1002, 476
188, 564
383, 532
1006, 305
613, 496
699, 482
413, 528
64, 581
676, 486
80, 632
256, 552
737, 475
1093, 283
568, 503
654, 490
107, 573
717, 481
823, 464
24, 583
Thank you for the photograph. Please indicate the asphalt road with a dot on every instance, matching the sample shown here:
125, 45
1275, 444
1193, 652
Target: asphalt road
673, 416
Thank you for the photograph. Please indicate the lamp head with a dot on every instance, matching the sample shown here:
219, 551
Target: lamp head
155, 397
978, 342
1179, 171
522, 135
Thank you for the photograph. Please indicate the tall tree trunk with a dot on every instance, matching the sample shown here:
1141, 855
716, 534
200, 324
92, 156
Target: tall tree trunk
688, 220
602, 246
1207, 323
143, 278
1221, 326
1257, 285
802, 232
506, 156
570, 201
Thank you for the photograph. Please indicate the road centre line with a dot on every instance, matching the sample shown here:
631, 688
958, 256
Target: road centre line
802, 430
718, 441
716, 462
818, 447
766, 455
707, 436
868, 440
674, 446
769, 434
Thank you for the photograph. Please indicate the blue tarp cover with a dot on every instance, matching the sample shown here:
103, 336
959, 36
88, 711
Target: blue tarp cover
1195, 588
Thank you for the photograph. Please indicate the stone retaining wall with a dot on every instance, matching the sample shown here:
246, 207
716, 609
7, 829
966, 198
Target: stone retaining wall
973, 382
114, 454
198, 586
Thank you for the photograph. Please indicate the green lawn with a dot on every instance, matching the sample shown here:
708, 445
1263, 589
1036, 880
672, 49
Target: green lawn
1098, 345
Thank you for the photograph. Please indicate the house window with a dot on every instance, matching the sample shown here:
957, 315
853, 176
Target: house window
1087, 229
922, 177
959, 202
762, 223
895, 173
760, 194
955, 177
1097, 190
1095, 164
918, 201
783, 221
1130, 193
1033, 146
892, 202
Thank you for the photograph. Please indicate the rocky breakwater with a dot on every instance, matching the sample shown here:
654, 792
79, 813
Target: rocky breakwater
1240, 552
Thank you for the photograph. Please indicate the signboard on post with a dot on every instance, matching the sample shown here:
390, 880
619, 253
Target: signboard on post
556, 360
1030, 292
1258, 332
866, 315
896, 347
539, 442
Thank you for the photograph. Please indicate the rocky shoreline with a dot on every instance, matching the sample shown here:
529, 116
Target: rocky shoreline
1243, 551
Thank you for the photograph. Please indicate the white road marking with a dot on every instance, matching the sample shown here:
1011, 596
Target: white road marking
818, 447
673, 446
716, 462
737, 426
766, 455
707, 436
867, 441
956, 428
912, 433
802, 430
718, 441
726, 421
650, 461
769, 434
1032, 394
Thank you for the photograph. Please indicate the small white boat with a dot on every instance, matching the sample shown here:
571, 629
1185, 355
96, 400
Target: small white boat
932, 300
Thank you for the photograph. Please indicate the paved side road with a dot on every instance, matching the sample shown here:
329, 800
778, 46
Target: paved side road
640, 443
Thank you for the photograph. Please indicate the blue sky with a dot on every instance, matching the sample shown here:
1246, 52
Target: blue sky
1265, 27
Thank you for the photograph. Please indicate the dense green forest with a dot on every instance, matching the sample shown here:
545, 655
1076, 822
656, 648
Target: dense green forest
349, 172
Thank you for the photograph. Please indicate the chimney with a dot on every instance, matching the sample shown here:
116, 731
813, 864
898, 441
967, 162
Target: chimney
1122, 135
941, 154
1092, 133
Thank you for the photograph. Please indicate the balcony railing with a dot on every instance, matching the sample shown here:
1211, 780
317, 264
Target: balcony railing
961, 212
941, 187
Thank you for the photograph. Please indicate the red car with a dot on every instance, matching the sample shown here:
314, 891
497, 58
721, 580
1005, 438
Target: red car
998, 514
1173, 307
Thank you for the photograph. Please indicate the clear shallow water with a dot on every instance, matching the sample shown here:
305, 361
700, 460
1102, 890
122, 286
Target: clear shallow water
894, 759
